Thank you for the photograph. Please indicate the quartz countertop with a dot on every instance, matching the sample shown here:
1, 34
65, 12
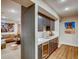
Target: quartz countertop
42, 40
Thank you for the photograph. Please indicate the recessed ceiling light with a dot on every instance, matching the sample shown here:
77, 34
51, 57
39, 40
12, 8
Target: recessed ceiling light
13, 11
3, 17
66, 9
40, 17
62, 0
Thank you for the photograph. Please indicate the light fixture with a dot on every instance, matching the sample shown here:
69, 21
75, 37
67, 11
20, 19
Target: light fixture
13, 11
66, 9
4, 17
62, 0
40, 17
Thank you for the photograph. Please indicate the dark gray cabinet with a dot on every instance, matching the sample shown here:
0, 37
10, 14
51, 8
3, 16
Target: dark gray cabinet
43, 22
45, 50
55, 44
40, 23
46, 22
52, 25
40, 51
52, 46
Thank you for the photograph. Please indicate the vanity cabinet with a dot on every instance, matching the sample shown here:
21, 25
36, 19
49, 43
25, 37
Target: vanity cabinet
47, 48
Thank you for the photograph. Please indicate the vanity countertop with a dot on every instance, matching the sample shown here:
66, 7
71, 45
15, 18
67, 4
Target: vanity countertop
42, 40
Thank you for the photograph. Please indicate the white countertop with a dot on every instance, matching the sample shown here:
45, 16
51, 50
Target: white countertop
42, 40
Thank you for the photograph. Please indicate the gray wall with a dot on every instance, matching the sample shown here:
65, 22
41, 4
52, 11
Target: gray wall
28, 32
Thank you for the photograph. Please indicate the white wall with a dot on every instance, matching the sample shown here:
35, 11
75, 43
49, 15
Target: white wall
69, 39
57, 27
18, 28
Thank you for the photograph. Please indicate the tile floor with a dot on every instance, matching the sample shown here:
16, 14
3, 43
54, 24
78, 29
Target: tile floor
10, 53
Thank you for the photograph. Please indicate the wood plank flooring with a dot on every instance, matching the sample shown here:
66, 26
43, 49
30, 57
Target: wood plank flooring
65, 52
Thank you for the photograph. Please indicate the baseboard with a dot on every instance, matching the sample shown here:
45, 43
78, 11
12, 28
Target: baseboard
60, 43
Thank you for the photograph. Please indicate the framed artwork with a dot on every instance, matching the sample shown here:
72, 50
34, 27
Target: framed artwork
7, 27
69, 27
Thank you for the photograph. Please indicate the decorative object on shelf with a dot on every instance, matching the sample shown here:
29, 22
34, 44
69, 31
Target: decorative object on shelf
69, 27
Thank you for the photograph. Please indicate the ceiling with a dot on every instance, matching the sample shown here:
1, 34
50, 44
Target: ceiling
63, 8
41, 10
10, 10
25, 3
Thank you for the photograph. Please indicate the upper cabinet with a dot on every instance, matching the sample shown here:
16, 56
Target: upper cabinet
45, 23
40, 23
52, 25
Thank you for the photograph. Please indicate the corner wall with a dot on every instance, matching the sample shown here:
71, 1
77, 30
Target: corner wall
57, 27
28, 32
69, 39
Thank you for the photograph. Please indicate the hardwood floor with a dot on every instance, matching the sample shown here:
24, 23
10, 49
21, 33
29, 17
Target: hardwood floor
65, 52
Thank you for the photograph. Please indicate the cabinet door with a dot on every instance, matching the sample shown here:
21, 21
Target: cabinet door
52, 25
50, 46
40, 52
46, 22
45, 52
40, 23
55, 44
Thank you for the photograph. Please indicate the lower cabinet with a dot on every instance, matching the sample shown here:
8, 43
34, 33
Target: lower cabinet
53, 45
47, 48
40, 51
50, 46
